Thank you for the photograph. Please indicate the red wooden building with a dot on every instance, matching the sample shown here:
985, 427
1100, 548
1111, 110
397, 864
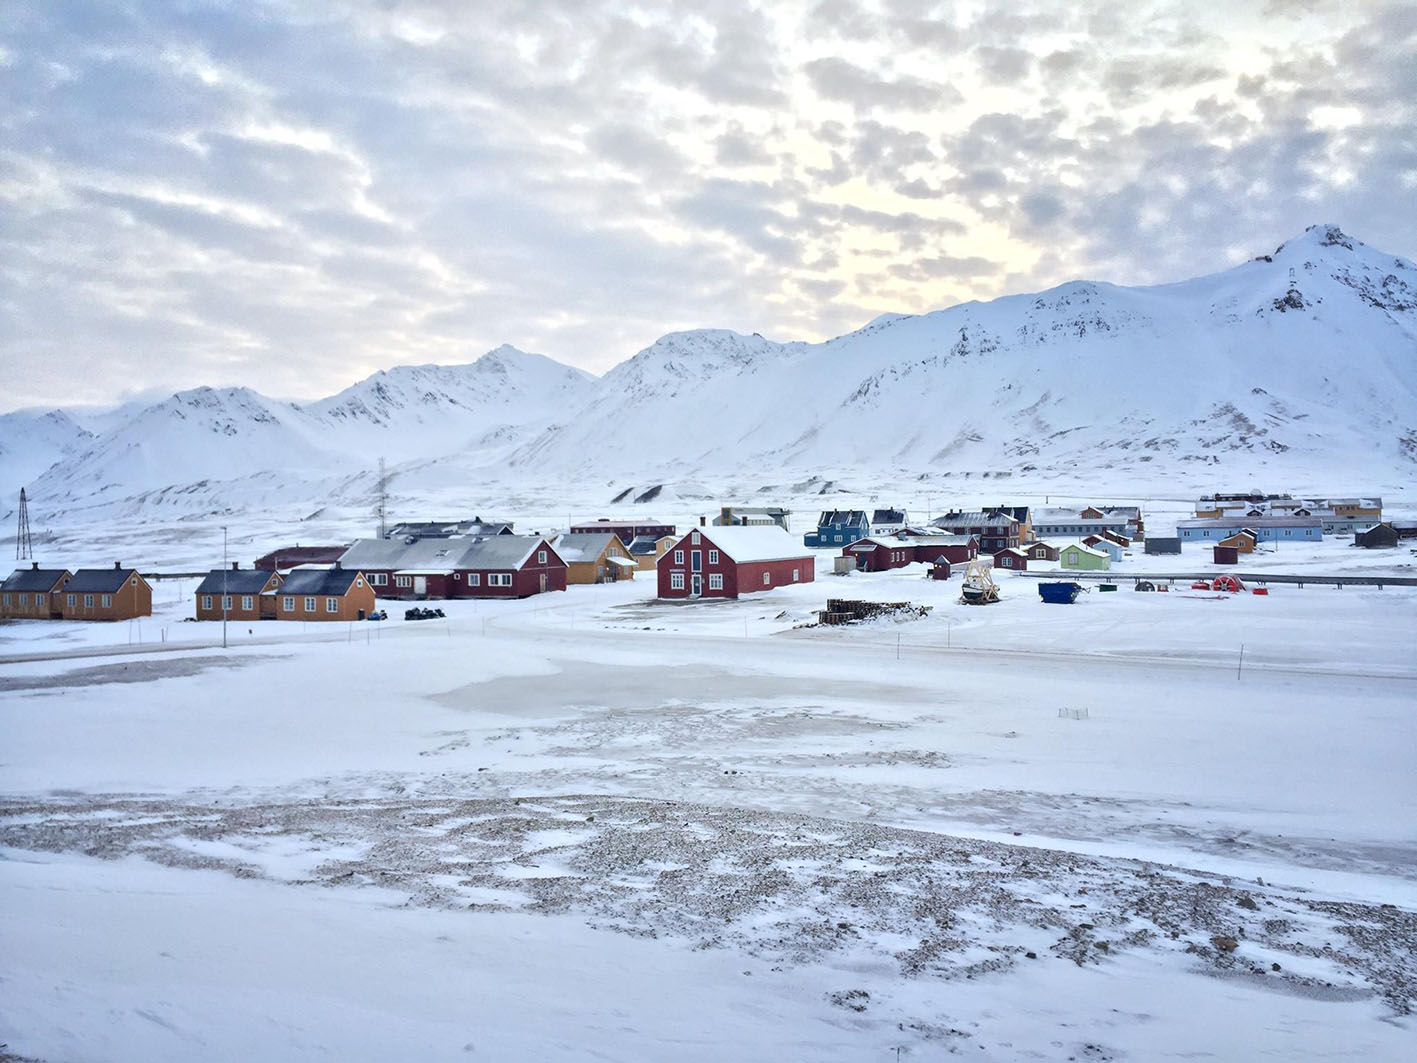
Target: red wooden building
507, 566
1041, 551
724, 562
878, 555
287, 557
956, 549
1013, 559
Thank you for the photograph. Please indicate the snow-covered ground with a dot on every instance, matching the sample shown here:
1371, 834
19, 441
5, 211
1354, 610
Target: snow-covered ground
592, 825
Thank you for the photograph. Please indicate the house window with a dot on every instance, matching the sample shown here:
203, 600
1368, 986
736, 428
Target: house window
206, 601
247, 602
73, 600
474, 579
715, 581
332, 605
288, 604
357, 583
403, 581
4, 599
678, 557
309, 605
379, 579
713, 557
767, 579
24, 599
133, 582
499, 579
541, 557
107, 601
694, 538
226, 601
676, 581
794, 575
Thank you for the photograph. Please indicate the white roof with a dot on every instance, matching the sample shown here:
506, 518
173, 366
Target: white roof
1087, 550
755, 543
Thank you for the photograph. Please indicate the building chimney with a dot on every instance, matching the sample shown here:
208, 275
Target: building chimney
703, 522
34, 566
118, 566
338, 566
235, 566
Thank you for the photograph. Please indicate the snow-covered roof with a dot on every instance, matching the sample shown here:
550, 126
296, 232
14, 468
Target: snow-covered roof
756, 543
500, 552
577, 547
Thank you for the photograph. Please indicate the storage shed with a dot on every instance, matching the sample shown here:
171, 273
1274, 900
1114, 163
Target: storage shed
1077, 556
1379, 535
1159, 545
1227, 555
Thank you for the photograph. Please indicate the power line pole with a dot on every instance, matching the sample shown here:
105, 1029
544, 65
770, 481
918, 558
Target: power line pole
24, 547
224, 585
381, 507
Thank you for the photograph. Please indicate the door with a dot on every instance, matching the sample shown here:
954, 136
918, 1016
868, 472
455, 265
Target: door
696, 585
543, 583
420, 584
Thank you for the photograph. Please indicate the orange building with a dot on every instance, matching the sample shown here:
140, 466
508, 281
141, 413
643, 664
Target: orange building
115, 593
234, 594
324, 594
33, 593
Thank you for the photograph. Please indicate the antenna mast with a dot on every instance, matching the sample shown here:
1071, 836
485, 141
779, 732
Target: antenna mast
24, 545
383, 493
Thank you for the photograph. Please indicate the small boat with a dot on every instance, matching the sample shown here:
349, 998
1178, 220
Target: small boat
1059, 593
979, 587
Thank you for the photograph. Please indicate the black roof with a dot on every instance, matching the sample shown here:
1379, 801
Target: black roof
888, 516
842, 516
99, 580
235, 581
34, 579
319, 581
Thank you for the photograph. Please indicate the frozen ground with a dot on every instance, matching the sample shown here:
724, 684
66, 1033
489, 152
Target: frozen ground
599, 827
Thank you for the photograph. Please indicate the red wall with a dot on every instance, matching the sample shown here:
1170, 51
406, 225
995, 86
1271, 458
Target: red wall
526, 580
746, 578
878, 559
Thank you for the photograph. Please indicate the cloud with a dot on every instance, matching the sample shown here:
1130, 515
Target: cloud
292, 195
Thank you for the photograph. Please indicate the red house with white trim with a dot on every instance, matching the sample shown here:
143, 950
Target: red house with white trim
507, 566
724, 562
878, 555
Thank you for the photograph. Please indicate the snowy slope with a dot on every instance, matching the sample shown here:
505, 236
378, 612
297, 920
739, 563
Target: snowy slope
32, 440
1298, 368
1302, 357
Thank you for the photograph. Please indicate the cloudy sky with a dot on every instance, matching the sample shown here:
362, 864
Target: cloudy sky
290, 195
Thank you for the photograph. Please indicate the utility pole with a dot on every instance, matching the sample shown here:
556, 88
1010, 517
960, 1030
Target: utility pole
225, 568
382, 507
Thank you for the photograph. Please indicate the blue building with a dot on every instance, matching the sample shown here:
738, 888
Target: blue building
1266, 529
839, 527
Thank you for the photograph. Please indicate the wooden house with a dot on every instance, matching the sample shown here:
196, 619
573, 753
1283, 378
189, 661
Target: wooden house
325, 594
878, 555
237, 594
1243, 541
1267, 529
751, 517
994, 529
1106, 546
508, 566
956, 549
115, 593
727, 562
1014, 559
1083, 558
1024, 516
839, 527
1082, 522
886, 522
598, 557
1041, 551
33, 593
647, 550
1379, 535
408, 568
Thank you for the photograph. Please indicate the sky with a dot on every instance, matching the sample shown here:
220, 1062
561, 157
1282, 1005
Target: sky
292, 195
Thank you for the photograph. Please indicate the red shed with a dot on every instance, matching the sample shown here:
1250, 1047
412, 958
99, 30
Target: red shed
1227, 555
1012, 559
877, 555
1041, 551
725, 562
508, 566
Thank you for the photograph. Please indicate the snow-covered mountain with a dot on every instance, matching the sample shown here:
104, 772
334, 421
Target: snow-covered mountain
1304, 357
1297, 368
